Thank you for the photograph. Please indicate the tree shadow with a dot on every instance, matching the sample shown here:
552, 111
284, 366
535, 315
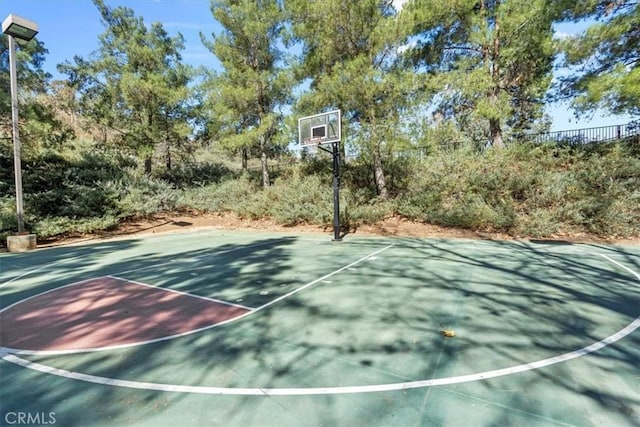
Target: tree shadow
375, 322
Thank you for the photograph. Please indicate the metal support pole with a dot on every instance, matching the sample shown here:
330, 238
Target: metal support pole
16, 135
336, 190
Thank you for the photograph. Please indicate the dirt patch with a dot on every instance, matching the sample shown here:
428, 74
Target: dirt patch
393, 226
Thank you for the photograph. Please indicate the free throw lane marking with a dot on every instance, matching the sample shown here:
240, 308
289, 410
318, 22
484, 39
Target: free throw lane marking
621, 266
247, 311
630, 328
106, 313
219, 301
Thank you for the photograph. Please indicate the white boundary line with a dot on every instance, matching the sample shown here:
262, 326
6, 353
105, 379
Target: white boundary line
326, 390
219, 301
42, 267
630, 328
621, 266
326, 276
46, 292
8, 350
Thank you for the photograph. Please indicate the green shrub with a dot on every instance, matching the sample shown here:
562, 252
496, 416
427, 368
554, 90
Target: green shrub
359, 209
54, 226
228, 196
141, 195
195, 174
537, 223
8, 217
294, 200
525, 190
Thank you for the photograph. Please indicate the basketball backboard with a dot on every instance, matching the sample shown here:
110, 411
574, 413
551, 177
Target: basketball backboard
318, 129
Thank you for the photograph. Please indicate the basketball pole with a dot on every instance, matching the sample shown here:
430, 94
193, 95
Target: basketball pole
336, 190
320, 130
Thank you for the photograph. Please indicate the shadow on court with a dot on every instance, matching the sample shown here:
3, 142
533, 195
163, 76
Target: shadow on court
570, 302
59, 265
75, 403
375, 322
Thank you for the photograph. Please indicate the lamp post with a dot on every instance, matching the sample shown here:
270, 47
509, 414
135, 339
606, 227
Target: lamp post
16, 27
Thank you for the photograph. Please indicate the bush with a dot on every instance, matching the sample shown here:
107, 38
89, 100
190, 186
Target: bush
54, 226
74, 188
536, 190
8, 217
228, 196
360, 209
188, 175
524, 190
141, 195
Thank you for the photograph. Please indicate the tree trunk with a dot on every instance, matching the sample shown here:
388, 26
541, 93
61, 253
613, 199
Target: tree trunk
495, 130
496, 133
147, 165
245, 159
263, 160
378, 173
168, 156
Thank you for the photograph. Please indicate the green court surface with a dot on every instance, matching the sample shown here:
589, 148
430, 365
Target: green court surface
342, 334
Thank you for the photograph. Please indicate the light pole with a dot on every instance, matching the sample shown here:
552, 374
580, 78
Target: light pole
23, 29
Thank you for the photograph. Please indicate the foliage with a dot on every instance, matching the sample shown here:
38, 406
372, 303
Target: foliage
39, 126
524, 190
61, 225
606, 57
141, 195
350, 55
135, 85
33, 79
493, 59
8, 216
194, 174
244, 100
530, 190
228, 196
83, 192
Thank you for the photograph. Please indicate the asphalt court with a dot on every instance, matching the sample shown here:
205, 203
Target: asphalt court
346, 333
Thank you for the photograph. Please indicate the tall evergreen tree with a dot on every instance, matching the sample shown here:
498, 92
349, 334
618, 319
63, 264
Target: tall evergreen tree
31, 77
38, 124
246, 97
136, 85
350, 53
605, 58
494, 58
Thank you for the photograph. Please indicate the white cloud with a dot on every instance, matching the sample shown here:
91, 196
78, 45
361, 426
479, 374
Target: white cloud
399, 4
560, 35
405, 47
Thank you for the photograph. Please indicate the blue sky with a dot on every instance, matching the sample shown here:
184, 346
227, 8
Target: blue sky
71, 27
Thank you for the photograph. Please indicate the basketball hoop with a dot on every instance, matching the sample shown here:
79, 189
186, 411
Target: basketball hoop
320, 129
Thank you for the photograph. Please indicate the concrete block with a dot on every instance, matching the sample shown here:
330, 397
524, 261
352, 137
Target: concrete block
21, 242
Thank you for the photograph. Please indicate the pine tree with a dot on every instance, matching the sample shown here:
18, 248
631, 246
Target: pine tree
605, 59
39, 127
350, 55
494, 58
136, 85
246, 97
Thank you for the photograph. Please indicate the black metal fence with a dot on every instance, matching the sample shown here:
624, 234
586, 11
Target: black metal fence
591, 135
